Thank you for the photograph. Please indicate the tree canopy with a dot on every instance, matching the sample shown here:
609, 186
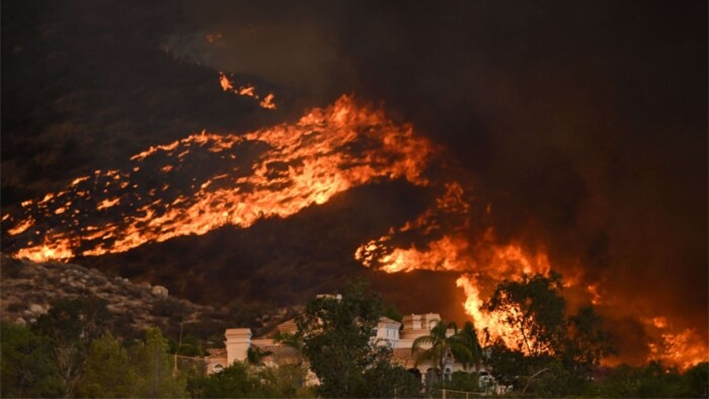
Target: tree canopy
555, 352
338, 341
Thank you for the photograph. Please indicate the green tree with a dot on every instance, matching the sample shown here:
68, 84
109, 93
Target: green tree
255, 355
462, 381
505, 364
71, 325
155, 369
534, 307
696, 381
237, 381
231, 382
108, 372
555, 354
468, 336
338, 337
650, 381
586, 342
386, 380
26, 368
285, 381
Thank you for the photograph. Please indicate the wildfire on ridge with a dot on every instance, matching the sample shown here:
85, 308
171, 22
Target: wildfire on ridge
272, 172
247, 91
485, 263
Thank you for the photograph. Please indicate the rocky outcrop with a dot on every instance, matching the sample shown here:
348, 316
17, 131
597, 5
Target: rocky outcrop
28, 289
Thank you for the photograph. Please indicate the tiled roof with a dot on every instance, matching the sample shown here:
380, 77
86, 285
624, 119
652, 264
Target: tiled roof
217, 352
388, 320
405, 354
279, 351
287, 326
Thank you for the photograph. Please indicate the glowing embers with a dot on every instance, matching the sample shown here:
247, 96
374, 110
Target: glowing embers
247, 91
169, 191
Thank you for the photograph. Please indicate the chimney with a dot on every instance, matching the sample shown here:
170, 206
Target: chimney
412, 322
238, 341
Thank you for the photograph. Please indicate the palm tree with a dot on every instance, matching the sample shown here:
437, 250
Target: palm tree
468, 335
441, 346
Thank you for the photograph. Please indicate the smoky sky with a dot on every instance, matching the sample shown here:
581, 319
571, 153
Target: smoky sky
583, 124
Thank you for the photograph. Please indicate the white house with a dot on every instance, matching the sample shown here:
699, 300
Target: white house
389, 332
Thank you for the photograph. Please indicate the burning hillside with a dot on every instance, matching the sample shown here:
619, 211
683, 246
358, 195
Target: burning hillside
206, 181
272, 172
501, 148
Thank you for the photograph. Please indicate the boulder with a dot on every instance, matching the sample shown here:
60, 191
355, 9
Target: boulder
159, 290
37, 309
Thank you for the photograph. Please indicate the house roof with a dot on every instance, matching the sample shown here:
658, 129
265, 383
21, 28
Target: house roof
405, 354
287, 326
216, 352
387, 320
279, 351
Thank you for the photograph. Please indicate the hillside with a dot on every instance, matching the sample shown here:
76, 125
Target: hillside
28, 290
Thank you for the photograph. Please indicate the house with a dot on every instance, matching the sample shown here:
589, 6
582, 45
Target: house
389, 332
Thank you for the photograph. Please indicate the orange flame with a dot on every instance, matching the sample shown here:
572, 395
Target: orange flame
300, 164
681, 347
477, 263
247, 91
493, 323
225, 82
267, 102
684, 349
484, 263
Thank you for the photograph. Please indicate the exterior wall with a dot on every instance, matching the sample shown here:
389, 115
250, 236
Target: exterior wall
388, 332
216, 364
238, 342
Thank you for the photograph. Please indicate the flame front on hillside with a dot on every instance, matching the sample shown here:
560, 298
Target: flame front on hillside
270, 172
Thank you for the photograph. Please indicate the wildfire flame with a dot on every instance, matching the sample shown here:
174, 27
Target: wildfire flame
247, 91
273, 172
484, 263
